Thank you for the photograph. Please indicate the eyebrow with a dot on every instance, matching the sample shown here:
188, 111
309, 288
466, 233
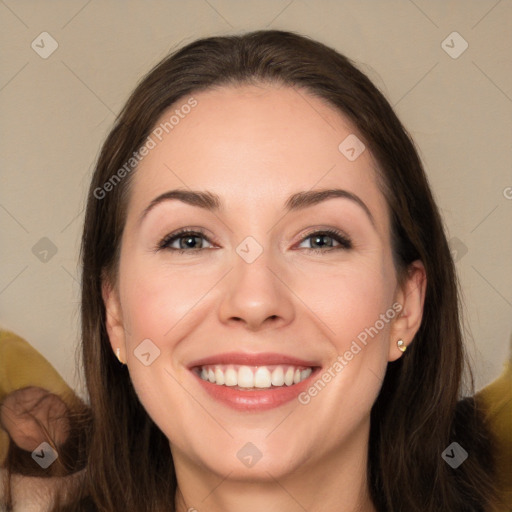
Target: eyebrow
298, 201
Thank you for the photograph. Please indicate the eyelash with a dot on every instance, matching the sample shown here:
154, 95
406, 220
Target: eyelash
343, 240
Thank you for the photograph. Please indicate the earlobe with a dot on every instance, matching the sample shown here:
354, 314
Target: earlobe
114, 319
412, 298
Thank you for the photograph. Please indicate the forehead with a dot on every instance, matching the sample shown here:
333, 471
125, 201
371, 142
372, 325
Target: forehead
254, 146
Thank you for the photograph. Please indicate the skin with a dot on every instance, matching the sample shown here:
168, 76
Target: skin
255, 146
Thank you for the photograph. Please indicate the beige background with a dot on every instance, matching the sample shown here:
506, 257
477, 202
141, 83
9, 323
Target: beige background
57, 111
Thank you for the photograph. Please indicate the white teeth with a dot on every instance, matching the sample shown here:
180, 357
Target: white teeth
230, 377
262, 378
278, 376
251, 377
245, 377
305, 374
219, 376
288, 376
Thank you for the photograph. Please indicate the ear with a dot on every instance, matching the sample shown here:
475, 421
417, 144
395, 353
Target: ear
411, 296
114, 318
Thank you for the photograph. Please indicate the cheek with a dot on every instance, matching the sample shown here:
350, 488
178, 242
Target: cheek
354, 305
346, 300
156, 298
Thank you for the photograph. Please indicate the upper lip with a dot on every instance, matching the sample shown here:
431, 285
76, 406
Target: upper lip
262, 359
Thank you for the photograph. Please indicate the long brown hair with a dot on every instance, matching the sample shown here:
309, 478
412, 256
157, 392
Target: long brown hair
421, 407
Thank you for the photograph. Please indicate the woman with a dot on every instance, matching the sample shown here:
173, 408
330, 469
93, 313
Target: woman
254, 370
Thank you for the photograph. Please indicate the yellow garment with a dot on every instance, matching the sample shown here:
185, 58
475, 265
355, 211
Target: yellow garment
21, 365
497, 401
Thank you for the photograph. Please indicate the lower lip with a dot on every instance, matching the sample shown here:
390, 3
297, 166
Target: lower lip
251, 400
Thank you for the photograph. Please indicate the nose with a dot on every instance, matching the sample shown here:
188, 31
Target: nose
256, 294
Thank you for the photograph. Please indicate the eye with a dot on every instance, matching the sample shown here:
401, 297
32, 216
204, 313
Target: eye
187, 239
318, 238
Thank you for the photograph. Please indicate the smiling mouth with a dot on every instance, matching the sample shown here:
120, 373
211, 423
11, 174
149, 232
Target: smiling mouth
247, 378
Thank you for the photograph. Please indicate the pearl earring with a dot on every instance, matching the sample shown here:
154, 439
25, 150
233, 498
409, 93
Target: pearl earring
401, 345
118, 354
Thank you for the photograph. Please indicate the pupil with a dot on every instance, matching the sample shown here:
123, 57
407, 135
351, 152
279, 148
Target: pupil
320, 237
190, 241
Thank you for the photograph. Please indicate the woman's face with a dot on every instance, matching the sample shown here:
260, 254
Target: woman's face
248, 298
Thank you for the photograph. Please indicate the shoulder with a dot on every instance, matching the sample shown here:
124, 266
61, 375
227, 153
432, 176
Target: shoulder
32, 494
